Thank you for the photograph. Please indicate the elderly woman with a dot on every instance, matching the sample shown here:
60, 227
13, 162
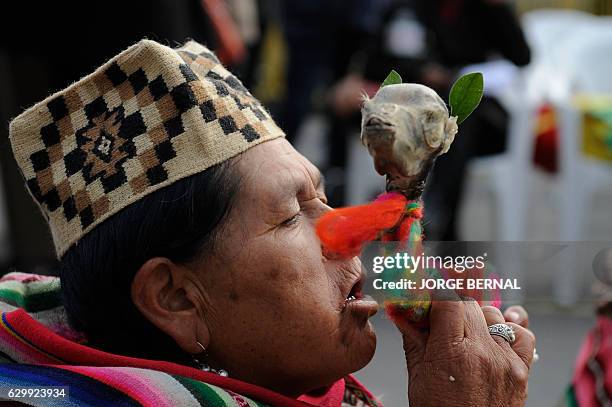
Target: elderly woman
184, 222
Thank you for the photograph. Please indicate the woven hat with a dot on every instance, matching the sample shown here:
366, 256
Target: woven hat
147, 118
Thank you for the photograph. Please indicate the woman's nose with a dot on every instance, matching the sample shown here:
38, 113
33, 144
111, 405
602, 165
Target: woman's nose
325, 208
329, 254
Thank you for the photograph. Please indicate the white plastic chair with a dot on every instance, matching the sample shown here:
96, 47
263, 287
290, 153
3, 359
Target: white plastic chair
548, 31
547, 27
507, 174
546, 79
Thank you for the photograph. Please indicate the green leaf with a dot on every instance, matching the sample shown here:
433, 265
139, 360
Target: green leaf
465, 95
392, 79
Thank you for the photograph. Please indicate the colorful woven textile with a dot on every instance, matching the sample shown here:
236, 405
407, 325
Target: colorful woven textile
592, 382
30, 292
35, 355
118, 386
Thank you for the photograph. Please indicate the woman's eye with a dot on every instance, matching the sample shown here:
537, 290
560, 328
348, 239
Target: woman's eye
292, 220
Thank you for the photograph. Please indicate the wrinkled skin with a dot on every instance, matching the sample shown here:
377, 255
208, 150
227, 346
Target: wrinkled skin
459, 364
270, 307
267, 304
405, 127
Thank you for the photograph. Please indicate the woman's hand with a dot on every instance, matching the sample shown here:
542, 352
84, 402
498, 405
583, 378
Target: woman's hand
458, 363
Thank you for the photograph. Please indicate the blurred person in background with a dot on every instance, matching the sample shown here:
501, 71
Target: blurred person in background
324, 39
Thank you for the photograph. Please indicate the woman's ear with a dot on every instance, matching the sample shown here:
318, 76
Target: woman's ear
163, 292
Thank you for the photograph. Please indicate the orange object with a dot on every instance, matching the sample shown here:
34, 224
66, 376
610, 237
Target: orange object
344, 231
393, 218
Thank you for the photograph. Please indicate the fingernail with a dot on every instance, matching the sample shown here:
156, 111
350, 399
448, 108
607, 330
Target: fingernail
513, 316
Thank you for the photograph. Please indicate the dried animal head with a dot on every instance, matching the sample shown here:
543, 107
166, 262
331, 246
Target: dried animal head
405, 127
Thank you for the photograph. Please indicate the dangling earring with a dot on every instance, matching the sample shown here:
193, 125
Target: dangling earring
204, 367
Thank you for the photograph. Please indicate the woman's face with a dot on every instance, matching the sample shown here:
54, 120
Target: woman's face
275, 306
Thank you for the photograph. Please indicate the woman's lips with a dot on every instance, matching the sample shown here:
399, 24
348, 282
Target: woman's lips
358, 303
364, 305
355, 301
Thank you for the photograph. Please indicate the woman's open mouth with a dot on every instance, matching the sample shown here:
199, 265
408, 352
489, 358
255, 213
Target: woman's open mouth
357, 302
355, 293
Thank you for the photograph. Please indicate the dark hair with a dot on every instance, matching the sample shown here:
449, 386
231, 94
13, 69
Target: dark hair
180, 222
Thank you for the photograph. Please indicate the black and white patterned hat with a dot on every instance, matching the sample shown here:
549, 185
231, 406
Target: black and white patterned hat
147, 118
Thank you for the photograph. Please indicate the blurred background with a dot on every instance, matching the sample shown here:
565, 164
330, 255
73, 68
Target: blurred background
533, 163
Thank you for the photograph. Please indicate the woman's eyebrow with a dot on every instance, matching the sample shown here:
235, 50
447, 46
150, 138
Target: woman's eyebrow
314, 179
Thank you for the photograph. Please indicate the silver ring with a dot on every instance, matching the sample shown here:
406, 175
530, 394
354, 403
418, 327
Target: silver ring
503, 330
